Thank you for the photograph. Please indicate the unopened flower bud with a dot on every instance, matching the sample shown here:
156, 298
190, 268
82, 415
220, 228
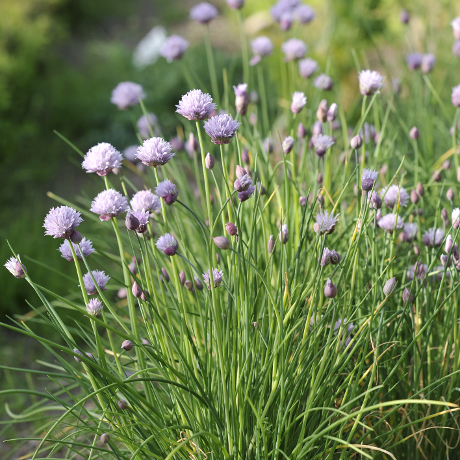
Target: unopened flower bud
436, 176
76, 237
222, 242
240, 172
145, 295
303, 200
449, 244
335, 258
404, 16
122, 404
122, 294
218, 258
105, 438
356, 142
198, 283
321, 113
407, 296
188, 285
389, 286
317, 129
330, 289
271, 244
182, 277
414, 196
383, 170
446, 260
414, 133
444, 215
375, 202
209, 161
450, 194
301, 131
420, 189
287, 145
77, 352
131, 221
232, 229
332, 112
145, 342
261, 189
416, 250
446, 164
127, 345
165, 274
137, 291
245, 156
320, 178
284, 234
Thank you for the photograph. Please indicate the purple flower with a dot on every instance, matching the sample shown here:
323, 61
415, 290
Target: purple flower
174, 48
145, 200
409, 232
246, 194
85, 245
456, 217
101, 280
456, 48
375, 202
101, 159
167, 191
370, 81
433, 237
414, 61
368, 179
167, 244
298, 102
15, 267
456, 28
325, 222
428, 62
196, 105
127, 94
392, 193
387, 223
286, 20
287, 145
143, 218
307, 67
456, 96
130, 153
203, 13
155, 152
61, 222
323, 82
235, 4
322, 143
221, 128
241, 98
261, 46
243, 182
94, 308
109, 203
304, 14
145, 124
294, 49
216, 277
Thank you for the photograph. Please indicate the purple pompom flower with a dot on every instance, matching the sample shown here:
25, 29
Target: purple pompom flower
145, 124
392, 193
433, 237
203, 13
85, 245
127, 94
294, 49
145, 200
370, 81
414, 61
94, 308
167, 190
368, 179
456, 96
456, 27
428, 62
321, 143
174, 48
387, 223
261, 47
196, 105
216, 277
101, 159
101, 280
325, 222
60, 222
307, 67
235, 4
155, 152
246, 194
298, 102
323, 82
15, 267
109, 203
221, 128
167, 244
304, 14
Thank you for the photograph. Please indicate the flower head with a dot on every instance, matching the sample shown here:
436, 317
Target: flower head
203, 13
414, 61
101, 280
321, 143
216, 277
85, 245
456, 96
167, 190
101, 159
109, 203
167, 244
196, 105
370, 81
409, 232
155, 152
261, 47
456, 217
287, 145
145, 124
241, 98
304, 14
325, 222
145, 200
221, 128
246, 194
94, 307
60, 222
307, 67
130, 153
143, 219
174, 48
298, 102
433, 237
294, 49
127, 94
235, 4
323, 82
15, 267
393, 193
387, 223
428, 62
375, 202
368, 179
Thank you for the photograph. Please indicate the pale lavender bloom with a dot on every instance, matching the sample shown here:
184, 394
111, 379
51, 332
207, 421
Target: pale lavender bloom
94, 307
127, 94
456, 96
279, 9
246, 194
414, 61
155, 152
322, 143
101, 280
167, 190
85, 245
456, 217
387, 223
130, 153
370, 81
304, 14
294, 49
145, 200
235, 4
325, 222
298, 102
456, 27
409, 232
375, 202
203, 13
101, 159
284, 234
307, 67
433, 237
167, 244
221, 128
286, 20
216, 277
392, 193
287, 145
143, 218
243, 182
196, 105
174, 48
323, 82
428, 62
145, 124
61, 222
241, 98
368, 179
109, 203
261, 46
15, 267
